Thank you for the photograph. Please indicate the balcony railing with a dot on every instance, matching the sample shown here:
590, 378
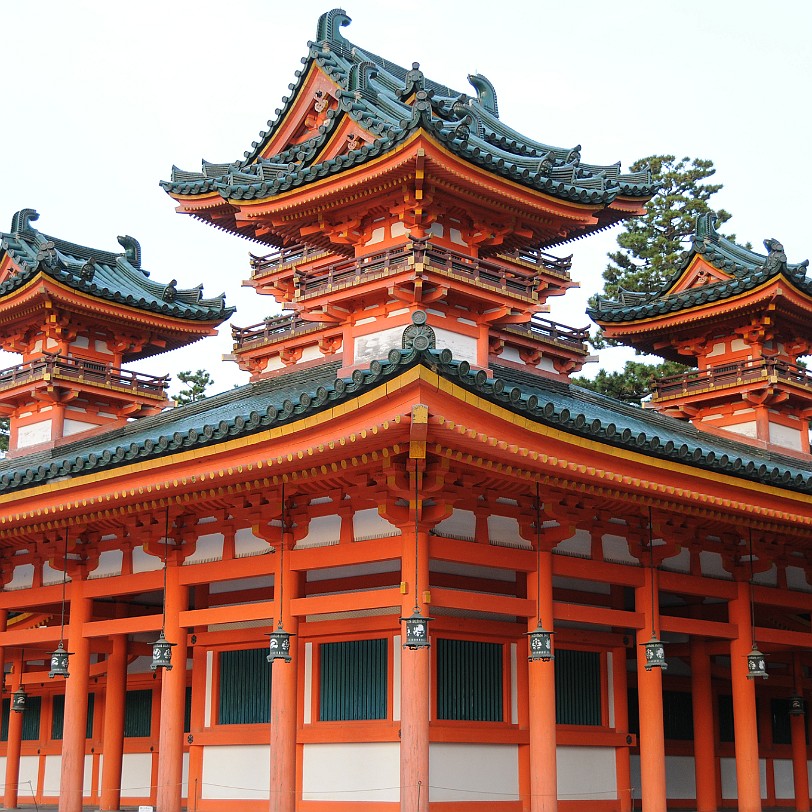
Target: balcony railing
533, 256
551, 331
270, 263
273, 329
82, 371
727, 375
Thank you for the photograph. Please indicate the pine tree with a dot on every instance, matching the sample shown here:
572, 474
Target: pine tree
196, 385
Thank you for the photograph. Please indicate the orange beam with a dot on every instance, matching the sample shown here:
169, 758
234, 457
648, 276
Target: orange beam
124, 625
477, 601
228, 614
229, 570
701, 628
484, 555
620, 574
338, 555
597, 616
683, 584
348, 602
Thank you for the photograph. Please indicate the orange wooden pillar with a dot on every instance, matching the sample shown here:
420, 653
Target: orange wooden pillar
284, 693
704, 745
113, 731
76, 687
173, 698
650, 693
15, 735
745, 723
622, 754
543, 777
415, 683
800, 771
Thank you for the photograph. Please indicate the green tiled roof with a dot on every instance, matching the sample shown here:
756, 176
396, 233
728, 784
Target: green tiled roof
392, 103
746, 268
258, 406
117, 277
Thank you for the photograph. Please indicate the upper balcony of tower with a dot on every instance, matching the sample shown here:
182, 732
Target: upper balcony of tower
362, 145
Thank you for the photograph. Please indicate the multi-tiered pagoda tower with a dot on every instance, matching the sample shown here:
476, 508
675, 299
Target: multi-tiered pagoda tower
742, 319
76, 315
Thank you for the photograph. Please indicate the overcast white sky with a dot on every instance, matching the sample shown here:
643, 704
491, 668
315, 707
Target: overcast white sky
102, 97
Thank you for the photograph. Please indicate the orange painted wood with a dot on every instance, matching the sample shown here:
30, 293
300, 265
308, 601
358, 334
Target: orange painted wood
113, 733
597, 615
702, 700
541, 681
499, 604
227, 614
650, 694
13, 745
745, 723
124, 625
173, 699
601, 571
325, 604
76, 690
700, 628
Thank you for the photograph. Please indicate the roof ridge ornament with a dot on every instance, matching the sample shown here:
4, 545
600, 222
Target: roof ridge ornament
485, 91
21, 220
418, 335
329, 26
132, 249
415, 82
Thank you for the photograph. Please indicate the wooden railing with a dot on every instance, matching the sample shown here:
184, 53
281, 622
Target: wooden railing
548, 330
80, 370
273, 329
733, 374
343, 272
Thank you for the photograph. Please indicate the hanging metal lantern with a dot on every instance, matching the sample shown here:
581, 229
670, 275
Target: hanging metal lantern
796, 706
59, 662
18, 700
756, 664
279, 646
541, 644
655, 653
162, 653
417, 630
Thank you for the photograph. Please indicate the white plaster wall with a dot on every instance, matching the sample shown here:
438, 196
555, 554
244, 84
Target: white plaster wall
34, 433
29, 773
246, 543
236, 771
376, 346
767, 578
510, 354
616, 548
50, 575
596, 783
784, 781
680, 777
681, 562
370, 524
473, 772
459, 523
728, 771
311, 353
785, 436
747, 429
463, 347
208, 548
580, 543
52, 777
22, 578
322, 530
712, 565
505, 530
109, 564
75, 426
144, 562
136, 774
796, 579
351, 772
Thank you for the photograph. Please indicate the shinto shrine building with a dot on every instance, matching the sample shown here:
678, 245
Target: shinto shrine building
409, 565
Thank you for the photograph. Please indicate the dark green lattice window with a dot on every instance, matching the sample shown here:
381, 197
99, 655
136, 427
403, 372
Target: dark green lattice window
138, 714
187, 711
469, 681
245, 687
31, 715
353, 680
725, 705
58, 716
577, 687
678, 715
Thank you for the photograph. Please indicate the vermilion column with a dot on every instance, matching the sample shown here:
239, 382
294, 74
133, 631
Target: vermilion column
415, 699
173, 699
745, 724
800, 772
622, 756
76, 687
650, 693
113, 732
284, 694
704, 746
543, 779
15, 734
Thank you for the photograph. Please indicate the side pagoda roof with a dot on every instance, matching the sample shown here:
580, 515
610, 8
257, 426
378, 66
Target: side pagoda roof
738, 271
26, 252
389, 104
254, 410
